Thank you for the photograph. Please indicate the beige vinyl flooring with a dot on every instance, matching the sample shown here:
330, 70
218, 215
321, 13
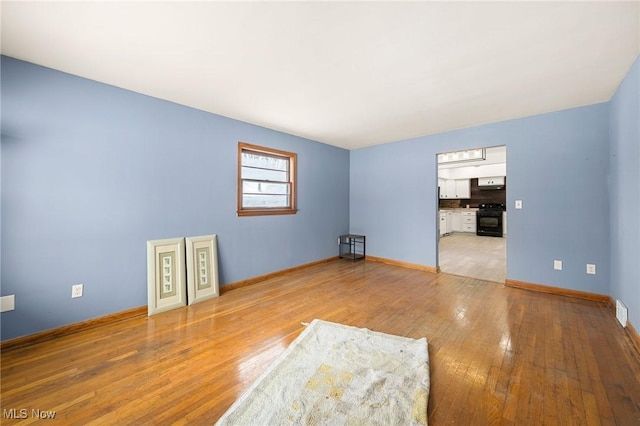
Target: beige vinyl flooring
469, 255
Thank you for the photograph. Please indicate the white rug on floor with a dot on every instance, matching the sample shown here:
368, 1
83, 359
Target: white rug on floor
335, 374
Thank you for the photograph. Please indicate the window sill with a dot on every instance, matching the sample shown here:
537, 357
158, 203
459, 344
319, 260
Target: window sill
266, 212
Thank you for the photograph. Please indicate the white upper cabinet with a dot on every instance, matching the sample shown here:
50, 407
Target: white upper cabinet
455, 188
463, 188
491, 181
450, 188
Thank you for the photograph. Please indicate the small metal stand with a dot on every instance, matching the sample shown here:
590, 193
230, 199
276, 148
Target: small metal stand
352, 246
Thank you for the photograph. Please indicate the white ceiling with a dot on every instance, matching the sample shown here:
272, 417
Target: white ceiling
347, 74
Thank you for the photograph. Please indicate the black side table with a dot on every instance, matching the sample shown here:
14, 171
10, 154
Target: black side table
352, 246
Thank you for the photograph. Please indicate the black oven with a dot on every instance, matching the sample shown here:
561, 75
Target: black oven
489, 220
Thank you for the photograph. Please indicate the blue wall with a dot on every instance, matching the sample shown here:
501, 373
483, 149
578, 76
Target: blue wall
625, 193
84, 186
557, 163
91, 172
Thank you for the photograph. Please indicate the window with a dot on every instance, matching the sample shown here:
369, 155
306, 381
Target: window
266, 181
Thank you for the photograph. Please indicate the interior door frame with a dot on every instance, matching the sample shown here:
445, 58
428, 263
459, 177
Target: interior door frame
437, 203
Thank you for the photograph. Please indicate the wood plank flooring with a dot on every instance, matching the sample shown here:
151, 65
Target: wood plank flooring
469, 255
498, 355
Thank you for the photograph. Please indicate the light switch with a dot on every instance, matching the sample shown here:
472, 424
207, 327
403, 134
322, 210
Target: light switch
557, 265
518, 204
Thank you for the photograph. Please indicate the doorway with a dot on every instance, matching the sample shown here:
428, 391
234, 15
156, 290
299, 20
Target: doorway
470, 181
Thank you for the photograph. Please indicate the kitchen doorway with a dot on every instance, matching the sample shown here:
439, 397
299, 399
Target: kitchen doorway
472, 219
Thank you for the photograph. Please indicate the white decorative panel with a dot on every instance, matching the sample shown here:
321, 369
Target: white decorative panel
202, 268
166, 280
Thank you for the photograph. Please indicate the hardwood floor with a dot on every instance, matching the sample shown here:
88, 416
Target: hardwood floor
469, 255
498, 355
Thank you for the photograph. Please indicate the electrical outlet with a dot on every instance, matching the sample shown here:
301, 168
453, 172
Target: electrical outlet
557, 265
76, 291
591, 269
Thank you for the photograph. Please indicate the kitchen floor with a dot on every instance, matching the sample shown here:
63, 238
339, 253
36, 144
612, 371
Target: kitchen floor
469, 255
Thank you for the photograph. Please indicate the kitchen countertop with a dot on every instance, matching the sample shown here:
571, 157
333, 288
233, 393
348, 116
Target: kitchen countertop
459, 209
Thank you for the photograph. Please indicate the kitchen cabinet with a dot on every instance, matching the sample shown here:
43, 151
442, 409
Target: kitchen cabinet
456, 221
491, 181
450, 188
452, 221
454, 188
442, 184
463, 188
469, 221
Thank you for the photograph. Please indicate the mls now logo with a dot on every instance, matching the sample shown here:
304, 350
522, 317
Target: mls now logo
23, 413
